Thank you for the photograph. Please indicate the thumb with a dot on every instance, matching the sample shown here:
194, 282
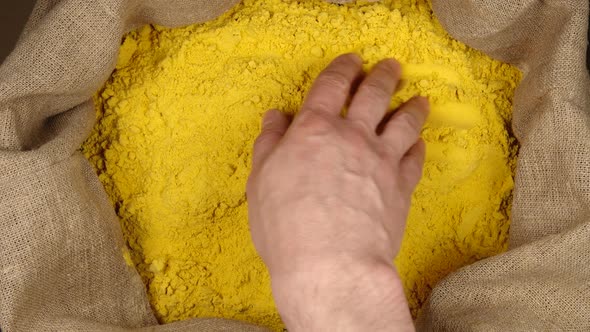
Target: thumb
274, 126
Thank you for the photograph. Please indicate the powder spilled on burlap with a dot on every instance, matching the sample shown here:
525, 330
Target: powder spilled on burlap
178, 118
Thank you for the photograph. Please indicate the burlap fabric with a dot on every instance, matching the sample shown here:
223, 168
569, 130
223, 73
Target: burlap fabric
61, 266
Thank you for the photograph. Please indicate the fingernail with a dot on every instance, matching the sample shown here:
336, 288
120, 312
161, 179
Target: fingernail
356, 58
392, 63
424, 102
269, 116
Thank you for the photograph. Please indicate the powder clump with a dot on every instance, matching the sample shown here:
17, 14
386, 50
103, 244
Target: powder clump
179, 115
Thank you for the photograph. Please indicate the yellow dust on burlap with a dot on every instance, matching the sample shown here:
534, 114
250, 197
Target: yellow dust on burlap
179, 115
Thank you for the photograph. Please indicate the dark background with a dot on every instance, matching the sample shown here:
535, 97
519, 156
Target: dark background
14, 13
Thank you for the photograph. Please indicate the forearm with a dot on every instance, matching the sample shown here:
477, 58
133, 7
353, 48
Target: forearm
349, 299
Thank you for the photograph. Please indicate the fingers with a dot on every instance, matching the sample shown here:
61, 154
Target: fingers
332, 87
412, 164
274, 126
403, 129
374, 94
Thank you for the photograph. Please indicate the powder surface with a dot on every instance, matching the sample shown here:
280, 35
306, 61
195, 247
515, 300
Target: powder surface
179, 115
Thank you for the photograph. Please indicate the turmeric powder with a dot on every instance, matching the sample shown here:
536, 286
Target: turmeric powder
178, 117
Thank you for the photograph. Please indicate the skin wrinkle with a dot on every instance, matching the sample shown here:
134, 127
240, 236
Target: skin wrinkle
179, 116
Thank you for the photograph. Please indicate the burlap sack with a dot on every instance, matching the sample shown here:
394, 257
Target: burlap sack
61, 266
543, 281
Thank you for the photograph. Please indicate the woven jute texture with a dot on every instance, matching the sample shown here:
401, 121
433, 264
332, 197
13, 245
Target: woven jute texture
543, 282
61, 263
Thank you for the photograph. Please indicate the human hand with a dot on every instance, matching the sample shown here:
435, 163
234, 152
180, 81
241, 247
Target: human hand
329, 196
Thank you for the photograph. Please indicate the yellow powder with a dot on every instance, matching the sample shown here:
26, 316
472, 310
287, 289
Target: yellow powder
179, 115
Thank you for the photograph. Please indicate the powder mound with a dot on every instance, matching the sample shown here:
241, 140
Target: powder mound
179, 115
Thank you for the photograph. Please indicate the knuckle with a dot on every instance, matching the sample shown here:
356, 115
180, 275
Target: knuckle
270, 131
318, 108
333, 79
358, 141
361, 126
413, 169
265, 136
385, 153
377, 89
390, 69
407, 122
316, 121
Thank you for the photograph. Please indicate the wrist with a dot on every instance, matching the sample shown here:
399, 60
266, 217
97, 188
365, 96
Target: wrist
343, 297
